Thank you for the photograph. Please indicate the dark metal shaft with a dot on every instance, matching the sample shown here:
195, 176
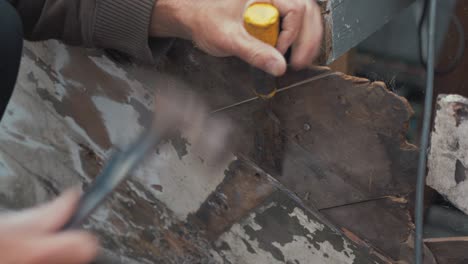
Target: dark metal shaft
419, 210
264, 84
115, 171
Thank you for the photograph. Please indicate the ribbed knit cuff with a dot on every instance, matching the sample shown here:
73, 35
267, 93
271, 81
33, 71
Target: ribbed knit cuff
123, 25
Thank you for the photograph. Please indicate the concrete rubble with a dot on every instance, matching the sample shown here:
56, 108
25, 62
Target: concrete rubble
448, 156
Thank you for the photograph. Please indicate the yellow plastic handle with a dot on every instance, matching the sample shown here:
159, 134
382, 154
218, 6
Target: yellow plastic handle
262, 20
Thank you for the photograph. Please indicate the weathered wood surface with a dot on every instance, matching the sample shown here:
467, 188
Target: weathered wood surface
445, 232
334, 142
449, 252
278, 228
396, 226
337, 142
331, 143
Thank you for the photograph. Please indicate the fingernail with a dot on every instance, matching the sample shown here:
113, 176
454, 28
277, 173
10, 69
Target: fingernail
274, 67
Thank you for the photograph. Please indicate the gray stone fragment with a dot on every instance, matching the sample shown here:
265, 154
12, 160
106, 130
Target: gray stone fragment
448, 156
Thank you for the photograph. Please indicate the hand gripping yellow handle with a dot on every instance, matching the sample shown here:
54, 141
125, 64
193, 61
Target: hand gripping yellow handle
262, 20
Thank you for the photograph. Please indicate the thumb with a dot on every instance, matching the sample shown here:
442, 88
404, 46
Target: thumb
258, 54
72, 247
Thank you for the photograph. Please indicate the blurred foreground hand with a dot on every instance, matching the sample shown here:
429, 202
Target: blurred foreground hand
30, 236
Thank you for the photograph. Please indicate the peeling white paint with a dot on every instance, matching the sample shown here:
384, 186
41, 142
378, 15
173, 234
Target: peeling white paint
10, 122
137, 191
100, 219
62, 57
186, 182
147, 174
239, 252
216, 257
109, 67
15, 114
124, 199
60, 60
310, 225
126, 222
300, 249
452, 98
80, 131
6, 171
121, 120
32, 135
25, 141
112, 69
43, 127
56, 89
101, 214
74, 150
60, 91
166, 220
30, 69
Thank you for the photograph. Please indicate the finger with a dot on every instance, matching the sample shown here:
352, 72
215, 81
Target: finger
292, 12
307, 46
74, 247
257, 53
48, 217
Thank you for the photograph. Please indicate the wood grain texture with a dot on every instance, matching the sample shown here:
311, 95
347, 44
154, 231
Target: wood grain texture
329, 142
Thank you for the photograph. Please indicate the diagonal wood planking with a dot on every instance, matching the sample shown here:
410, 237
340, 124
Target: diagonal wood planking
253, 219
339, 144
332, 142
57, 133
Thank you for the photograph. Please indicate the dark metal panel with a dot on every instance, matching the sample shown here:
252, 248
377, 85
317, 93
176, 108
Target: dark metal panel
349, 22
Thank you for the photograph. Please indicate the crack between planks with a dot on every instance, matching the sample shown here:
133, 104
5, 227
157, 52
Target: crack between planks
285, 88
395, 199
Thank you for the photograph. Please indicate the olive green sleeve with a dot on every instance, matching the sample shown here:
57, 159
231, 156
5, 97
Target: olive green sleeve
120, 25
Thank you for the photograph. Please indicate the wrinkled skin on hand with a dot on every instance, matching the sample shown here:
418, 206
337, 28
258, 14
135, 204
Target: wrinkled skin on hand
216, 27
30, 236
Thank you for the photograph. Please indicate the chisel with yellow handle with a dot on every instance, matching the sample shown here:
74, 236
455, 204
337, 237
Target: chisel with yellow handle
262, 20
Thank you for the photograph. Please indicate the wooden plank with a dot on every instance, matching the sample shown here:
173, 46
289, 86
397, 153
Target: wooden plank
387, 225
449, 252
333, 141
219, 82
252, 219
72, 106
58, 131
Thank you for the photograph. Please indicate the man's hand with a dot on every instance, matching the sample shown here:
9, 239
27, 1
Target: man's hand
31, 236
216, 26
